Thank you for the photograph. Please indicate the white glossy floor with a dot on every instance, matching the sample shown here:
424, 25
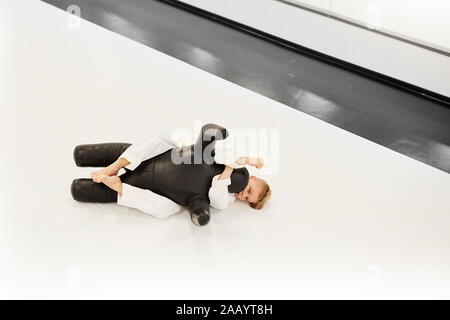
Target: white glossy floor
348, 218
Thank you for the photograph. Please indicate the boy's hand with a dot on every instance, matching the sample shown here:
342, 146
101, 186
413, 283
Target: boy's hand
258, 163
242, 160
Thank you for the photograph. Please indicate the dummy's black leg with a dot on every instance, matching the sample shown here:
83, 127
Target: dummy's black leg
99, 154
86, 190
199, 211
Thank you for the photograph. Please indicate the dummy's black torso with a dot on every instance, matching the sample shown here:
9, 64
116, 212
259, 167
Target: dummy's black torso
181, 182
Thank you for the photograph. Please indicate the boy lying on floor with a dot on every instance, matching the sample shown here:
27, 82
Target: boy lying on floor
149, 149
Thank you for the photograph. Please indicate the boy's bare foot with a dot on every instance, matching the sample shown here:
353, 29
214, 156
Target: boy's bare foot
111, 170
112, 182
108, 171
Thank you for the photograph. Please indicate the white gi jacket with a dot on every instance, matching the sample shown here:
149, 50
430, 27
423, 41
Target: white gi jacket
158, 142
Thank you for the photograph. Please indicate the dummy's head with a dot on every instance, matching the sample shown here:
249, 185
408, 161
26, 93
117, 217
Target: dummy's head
256, 193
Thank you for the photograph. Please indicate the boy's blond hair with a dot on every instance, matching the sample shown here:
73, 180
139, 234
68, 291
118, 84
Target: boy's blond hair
263, 198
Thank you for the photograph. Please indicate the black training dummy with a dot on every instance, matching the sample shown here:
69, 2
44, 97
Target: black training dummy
185, 181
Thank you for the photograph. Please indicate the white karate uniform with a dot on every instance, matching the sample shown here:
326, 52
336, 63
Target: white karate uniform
153, 144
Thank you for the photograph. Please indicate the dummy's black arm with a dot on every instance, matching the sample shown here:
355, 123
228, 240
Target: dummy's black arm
209, 134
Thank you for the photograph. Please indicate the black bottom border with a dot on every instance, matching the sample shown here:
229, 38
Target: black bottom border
229, 309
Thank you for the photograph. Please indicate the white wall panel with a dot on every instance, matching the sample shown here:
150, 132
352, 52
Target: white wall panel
319, 4
424, 21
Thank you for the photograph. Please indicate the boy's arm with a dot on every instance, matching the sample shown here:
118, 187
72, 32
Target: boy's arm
228, 156
226, 173
255, 162
218, 194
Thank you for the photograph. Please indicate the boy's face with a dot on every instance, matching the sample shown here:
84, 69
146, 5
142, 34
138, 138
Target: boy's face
251, 192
